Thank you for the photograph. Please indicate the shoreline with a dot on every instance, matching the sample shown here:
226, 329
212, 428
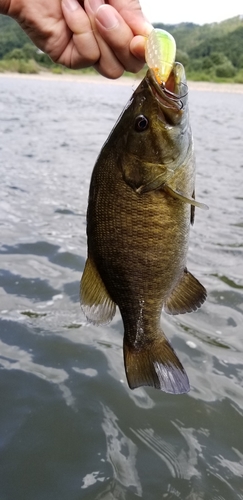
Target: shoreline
123, 80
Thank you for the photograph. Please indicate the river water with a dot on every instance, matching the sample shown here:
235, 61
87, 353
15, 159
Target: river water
70, 428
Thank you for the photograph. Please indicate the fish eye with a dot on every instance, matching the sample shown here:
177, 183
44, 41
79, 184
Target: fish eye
141, 123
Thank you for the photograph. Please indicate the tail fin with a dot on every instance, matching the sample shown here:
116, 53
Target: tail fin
157, 365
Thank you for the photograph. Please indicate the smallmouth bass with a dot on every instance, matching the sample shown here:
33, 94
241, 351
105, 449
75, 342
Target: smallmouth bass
141, 205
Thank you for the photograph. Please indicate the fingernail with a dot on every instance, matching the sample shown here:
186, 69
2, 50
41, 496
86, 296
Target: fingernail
95, 4
71, 5
107, 17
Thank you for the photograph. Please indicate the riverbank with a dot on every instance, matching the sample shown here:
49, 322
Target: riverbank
130, 81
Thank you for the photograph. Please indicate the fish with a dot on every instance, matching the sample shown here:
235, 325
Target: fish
140, 208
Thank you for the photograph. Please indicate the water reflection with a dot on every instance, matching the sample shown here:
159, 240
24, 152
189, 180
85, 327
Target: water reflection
121, 454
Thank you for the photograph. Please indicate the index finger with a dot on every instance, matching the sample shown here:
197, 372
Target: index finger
117, 35
82, 50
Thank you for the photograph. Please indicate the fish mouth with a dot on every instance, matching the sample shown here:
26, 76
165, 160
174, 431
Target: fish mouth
172, 95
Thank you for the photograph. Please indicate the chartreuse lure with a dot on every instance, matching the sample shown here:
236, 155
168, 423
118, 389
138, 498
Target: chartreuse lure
160, 51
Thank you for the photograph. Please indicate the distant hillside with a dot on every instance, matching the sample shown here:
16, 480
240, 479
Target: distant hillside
209, 52
11, 36
230, 45
212, 51
189, 35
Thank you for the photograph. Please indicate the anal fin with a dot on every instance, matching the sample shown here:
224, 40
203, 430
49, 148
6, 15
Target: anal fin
96, 303
187, 296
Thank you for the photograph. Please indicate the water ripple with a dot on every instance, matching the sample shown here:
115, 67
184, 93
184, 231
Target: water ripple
67, 415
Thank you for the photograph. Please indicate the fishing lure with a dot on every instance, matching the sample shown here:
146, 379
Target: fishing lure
160, 51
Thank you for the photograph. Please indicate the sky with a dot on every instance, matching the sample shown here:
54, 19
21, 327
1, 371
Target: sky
202, 12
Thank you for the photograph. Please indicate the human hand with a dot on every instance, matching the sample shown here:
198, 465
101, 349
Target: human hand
109, 37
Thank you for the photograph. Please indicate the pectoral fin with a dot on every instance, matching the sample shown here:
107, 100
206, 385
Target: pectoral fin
187, 296
175, 194
96, 303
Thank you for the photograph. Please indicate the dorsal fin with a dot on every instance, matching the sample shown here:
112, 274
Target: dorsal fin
187, 296
96, 303
193, 209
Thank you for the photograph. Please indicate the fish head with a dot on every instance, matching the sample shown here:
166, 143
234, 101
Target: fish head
154, 131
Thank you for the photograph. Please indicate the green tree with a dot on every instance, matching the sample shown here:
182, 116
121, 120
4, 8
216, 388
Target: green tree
218, 58
182, 57
207, 63
226, 70
15, 54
